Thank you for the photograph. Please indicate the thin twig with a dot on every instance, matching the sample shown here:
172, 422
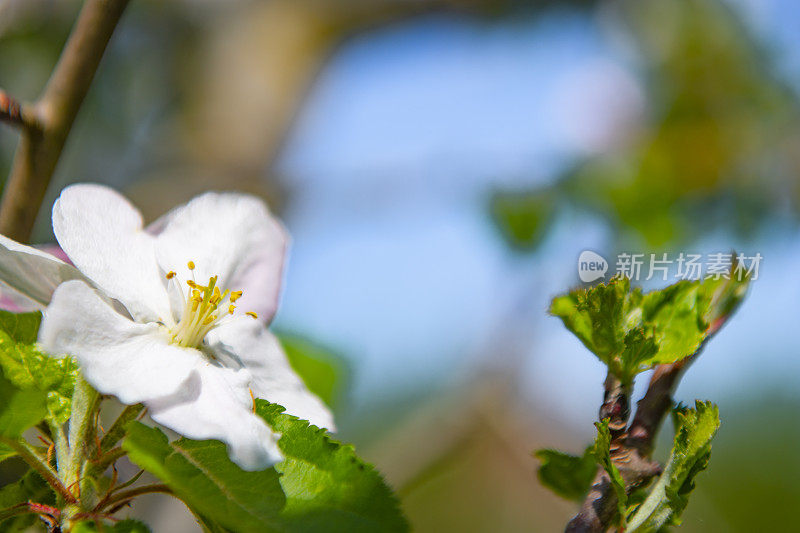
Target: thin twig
128, 483
99, 465
117, 429
40, 148
29, 455
59, 438
44, 511
127, 495
20, 508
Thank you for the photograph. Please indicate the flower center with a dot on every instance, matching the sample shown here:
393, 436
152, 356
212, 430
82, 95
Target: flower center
204, 308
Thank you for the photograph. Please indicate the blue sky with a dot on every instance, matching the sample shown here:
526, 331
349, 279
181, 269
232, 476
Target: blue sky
394, 262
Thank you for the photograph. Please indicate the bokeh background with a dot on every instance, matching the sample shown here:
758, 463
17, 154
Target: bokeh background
440, 165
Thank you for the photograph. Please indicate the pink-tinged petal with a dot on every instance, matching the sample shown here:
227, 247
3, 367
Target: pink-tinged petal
103, 235
229, 235
216, 404
11, 300
245, 342
117, 356
32, 273
54, 250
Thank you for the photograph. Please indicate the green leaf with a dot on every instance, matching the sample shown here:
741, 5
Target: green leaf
328, 487
640, 349
601, 451
30, 488
677, 317
6, 452
523, 217
723, 296
567, 475
690, 454
324, 373
22, 327
28, 368
631, 332
597, 316
124, 526
208, 525
19, 409
200, 473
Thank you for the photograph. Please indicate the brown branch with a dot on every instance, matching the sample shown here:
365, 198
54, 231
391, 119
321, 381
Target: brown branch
616, 406
632, 455
17, 113
600, 505
40, 148
655, 404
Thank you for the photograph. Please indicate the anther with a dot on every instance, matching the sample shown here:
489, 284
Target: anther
190, 264
170, 274
252, 314
235, 295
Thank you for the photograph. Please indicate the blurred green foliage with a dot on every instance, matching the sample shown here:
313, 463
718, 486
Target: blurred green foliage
567, 475
715, 148
523, 217
324, 373
751, 483
31, 487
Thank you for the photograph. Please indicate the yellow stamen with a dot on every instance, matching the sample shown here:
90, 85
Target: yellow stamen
252, 397
252, 314
201, 312
216, 297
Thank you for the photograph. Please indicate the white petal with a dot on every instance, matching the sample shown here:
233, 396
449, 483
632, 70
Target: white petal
216, 404
248, 343
117, 356
31, 272
16, 302
102, 234
229, 235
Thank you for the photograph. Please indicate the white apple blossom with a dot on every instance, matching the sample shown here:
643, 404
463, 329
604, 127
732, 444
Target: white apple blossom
173, 315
